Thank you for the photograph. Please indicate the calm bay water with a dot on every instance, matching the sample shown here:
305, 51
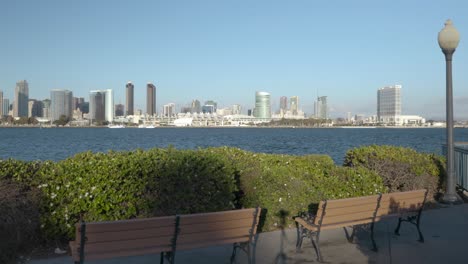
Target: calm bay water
60, 143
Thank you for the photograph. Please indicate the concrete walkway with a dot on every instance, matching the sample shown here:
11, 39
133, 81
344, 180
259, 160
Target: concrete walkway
445, 231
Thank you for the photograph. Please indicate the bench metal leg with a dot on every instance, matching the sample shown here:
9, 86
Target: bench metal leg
350, 238
397, 230
413, 220
315, 243
246, 248
374, 245
300, 236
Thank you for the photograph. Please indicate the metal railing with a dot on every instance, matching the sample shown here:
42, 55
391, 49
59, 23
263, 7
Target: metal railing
460, 163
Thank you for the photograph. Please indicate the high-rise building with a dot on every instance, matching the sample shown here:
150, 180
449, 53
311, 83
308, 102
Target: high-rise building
321, 107
196, 106
35, 108
150, 99
169, 110
119, 109
236, 109
262, 105
294, 105
20, 105
129, 93
6, 106
283, 104
61, 103
46, 108
101, 105
210, 106
389, 105
77, 102
1, 104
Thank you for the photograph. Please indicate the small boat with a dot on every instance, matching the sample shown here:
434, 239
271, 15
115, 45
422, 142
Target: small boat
116, 126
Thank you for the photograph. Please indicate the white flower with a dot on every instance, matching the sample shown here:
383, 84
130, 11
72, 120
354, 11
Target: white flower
51, 204
58, 188
68, 225
93, 188
42, 226
86, 194
279, 200
285, 184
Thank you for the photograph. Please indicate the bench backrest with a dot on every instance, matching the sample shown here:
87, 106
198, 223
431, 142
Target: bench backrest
346, 212
207, 229
108, 239
394, 204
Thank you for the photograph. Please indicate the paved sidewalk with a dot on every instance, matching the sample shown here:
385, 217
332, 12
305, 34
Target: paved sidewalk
445, 231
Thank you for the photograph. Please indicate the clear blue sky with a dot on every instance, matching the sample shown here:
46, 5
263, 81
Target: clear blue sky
227, 50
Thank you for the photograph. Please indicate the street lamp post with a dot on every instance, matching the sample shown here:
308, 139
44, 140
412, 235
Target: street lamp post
448, 41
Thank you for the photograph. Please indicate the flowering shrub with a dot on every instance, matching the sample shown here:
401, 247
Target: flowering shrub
123, 185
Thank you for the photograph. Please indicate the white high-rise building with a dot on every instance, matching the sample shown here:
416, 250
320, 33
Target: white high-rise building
321, 107
389, 105
262, 105
169, 110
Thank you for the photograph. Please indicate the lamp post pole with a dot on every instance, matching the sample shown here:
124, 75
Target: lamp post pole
448, 41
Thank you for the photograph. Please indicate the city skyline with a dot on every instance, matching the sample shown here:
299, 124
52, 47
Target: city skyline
227, 51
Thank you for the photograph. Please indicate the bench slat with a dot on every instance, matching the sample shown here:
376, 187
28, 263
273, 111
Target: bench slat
211, 236
351, 209
217, 226
133, 224
348, 217
136, 244
129, 234
347, 223
403, 195
217, 216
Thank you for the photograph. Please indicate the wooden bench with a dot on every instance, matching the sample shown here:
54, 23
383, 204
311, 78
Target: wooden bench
166, 235
359, 211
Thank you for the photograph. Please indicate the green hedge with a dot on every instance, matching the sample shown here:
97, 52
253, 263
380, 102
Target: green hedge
135, 184
124, 185
294, 184
402, 169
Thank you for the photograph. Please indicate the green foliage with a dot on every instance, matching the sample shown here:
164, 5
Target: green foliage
123, 185
292, 184
401, 169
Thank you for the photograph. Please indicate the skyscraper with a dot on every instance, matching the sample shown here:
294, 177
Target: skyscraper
389, 105
6, 106
210, 106
262, 105
20, 105
294, 107
46, 108
119, 110
196, 106
150, 99
321, 107
129, 91
1, 104
283, 104
169, 110
61, 103
101, 105
236, 109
